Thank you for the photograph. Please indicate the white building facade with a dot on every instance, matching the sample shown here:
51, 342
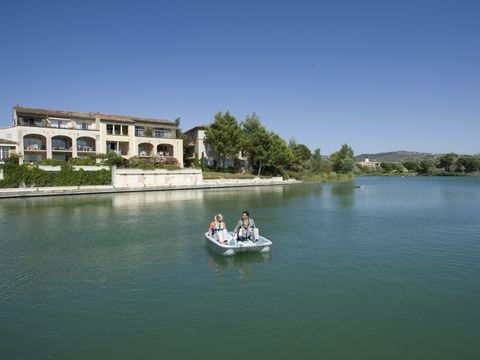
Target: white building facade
39, 134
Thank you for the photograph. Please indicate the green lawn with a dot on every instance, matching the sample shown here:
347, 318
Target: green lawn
221, 175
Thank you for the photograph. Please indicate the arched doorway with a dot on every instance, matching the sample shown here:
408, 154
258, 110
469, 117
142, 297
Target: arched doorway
34, 148
85, 145
165, 150
145, 149
61, 148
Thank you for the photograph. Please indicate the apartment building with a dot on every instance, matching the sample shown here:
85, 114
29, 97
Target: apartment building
194, 144
38, 134
196, 149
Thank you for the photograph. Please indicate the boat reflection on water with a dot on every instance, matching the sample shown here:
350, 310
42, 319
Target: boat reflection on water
243, 262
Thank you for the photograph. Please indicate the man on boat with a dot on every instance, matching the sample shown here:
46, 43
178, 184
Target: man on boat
245, 229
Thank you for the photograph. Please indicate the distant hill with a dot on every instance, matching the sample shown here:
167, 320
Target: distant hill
397, 156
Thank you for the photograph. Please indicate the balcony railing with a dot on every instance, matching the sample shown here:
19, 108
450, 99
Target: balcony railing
85, 148
38, 123
65, 126
158, 136
35, 147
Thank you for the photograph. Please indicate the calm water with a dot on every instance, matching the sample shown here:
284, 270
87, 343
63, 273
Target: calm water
387, 272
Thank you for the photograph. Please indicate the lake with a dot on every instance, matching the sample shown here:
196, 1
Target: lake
390, 271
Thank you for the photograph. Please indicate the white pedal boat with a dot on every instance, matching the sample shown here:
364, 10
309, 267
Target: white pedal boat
233, 246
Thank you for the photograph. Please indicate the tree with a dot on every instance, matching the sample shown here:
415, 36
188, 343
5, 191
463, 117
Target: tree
316, 161
398, 167
342, 160
279, 154
468, 164
426, 166
223, 138
387, 166
255, 142
301, 153
179, 132
447, 162
411, 165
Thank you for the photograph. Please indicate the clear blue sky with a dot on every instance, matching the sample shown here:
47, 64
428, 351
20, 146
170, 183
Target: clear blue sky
377, 75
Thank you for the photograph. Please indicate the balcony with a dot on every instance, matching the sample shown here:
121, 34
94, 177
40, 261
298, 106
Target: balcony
33, 123
154, 133
85, 149
32, 147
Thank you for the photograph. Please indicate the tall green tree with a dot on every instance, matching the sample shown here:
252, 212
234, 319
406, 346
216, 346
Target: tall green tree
426, 166
411, 165
223, 138
447, 162
342, 160
468, 164
179, 132
301, 154
255, 142
316, 161
280, 155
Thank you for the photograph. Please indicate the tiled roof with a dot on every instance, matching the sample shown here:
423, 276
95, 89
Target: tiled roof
54, 113
87, 115
200, 127
132, 119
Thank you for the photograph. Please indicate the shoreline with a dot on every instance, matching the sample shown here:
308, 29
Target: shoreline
11, 193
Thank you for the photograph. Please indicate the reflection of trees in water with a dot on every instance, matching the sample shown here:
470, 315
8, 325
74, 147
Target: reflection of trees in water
343, 192
293, 191
243, 262
264, 192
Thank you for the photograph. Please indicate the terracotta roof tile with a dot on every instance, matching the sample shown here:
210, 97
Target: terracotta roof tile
88, 115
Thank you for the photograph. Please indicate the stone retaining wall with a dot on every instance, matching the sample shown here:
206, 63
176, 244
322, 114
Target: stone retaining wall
138, 178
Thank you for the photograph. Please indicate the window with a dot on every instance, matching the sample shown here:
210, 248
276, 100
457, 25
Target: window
139, 131
117, 129
160, 133
31, 121
83, 125
165, 150
60, 156
59, 123
4, 152
33, 143
85, 144
59, 144
33, 157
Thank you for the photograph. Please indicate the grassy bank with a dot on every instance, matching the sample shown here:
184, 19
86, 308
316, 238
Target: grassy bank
213, 175
326, 177
305, 177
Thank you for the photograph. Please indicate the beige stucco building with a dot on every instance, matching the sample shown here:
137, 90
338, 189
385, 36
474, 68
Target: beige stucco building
38, 134
194, 144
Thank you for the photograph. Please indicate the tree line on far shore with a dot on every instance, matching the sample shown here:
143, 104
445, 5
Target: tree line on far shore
249, 146
450, 164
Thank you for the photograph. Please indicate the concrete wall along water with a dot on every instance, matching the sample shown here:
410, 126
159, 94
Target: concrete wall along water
138, 178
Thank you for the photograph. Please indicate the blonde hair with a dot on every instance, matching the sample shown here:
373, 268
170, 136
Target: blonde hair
218, 217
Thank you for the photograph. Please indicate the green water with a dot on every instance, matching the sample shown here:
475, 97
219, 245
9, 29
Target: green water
391, 271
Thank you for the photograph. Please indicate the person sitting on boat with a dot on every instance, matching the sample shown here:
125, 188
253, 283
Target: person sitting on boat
218, 229
245, 229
